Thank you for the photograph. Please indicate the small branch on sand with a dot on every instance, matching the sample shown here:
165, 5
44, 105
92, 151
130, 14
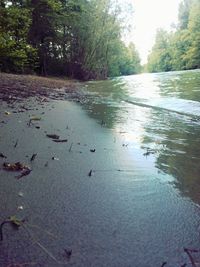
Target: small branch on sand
33, 157
16, 143
188, 252
70, 149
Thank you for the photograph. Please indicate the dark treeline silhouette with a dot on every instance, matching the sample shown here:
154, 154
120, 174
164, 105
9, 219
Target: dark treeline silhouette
77, 38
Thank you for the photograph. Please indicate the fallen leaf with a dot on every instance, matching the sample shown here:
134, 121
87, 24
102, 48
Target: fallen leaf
34, 118
33, 157
25, 172
15, 221
53, 136
20, 194
54, 158
60, 140
14, 166
2, 156
90, 173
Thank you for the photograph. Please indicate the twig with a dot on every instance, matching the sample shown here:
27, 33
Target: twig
70, 149
16, 143
43, 248
188, 252
33, 157
1, 228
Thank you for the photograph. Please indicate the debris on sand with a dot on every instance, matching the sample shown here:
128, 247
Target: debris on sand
18, 166
14, 221
25, 172
2, 156
34, 118
54, 158
56, 138
14, 166
20, 194
16, 143
46, 164
33, 157
60, 140
92, 150
53, 136
68, 253
90, 173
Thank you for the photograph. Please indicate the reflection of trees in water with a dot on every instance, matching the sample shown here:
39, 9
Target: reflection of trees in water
101, 103
178, 154
104, 114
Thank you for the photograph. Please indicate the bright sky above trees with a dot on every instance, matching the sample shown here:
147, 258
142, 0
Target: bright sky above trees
148, 16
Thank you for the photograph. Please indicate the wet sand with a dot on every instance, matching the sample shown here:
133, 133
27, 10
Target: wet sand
120, 215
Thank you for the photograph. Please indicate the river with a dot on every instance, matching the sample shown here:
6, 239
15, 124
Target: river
158, 119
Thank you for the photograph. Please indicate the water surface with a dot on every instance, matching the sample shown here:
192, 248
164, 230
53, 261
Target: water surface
160, 113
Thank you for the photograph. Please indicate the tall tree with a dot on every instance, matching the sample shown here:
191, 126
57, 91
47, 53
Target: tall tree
16, 55
160, 57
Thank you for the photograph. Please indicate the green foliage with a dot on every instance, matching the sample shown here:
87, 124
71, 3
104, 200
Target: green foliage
179, 50
16, 55
78, 38
160, 58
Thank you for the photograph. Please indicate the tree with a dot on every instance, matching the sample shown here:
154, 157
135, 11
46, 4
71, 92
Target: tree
42, 29
16, 55
193, 52
160, 57
77, 38
183, 16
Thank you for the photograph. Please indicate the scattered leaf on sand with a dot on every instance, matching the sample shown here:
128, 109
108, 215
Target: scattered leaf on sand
24, 172
34, 118
16, 143
2, 156
20, 194
60, 140
90, 173
54, 158
46, 164
14, 166
16, 221
53, 136
33, 157
18, 166
68, 253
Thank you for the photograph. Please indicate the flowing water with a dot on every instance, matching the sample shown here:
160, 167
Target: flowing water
158, 118
161, 114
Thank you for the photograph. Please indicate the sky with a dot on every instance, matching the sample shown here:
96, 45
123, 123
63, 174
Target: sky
150, 15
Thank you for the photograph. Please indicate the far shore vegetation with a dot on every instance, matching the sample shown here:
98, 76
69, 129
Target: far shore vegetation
180, 48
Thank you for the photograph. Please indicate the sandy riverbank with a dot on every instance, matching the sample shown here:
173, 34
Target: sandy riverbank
120, 215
